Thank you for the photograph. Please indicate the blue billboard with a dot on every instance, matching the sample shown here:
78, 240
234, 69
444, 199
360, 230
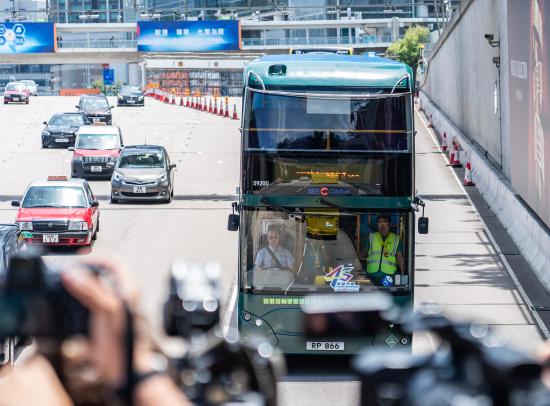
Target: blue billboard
24, 38
187, 36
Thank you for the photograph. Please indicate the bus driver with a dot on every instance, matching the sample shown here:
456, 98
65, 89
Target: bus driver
274, 255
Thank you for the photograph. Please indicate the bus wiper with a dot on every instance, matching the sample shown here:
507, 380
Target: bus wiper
265, 200
336, 206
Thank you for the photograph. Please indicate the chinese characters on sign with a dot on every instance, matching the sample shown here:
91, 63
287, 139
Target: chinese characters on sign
185, 36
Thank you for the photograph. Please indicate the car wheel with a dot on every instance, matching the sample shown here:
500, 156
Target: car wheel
172, 193
94, 237
114, 200
27, 101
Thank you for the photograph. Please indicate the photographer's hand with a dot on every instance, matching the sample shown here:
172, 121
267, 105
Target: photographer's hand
108, 329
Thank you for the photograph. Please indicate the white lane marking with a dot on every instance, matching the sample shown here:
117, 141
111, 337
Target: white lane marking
229, 311
220, 162
199, 152
192, 121
507, 266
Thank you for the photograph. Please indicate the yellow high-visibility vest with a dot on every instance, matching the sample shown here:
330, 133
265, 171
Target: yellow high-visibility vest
383, 254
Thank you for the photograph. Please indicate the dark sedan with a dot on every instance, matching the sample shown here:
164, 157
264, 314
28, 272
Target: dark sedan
61, 130
130, 96
96, 108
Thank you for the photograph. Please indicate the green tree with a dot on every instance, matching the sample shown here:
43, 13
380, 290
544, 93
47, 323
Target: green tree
407, 50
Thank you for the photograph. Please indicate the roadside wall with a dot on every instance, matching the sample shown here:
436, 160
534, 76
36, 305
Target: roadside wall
463, 81
465, 93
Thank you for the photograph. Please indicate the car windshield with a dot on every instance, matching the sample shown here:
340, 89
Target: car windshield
29, 82
95, 103
15, 86
324, 250
327, 123
54, 196
97, 141
67, 120
142, 160
130, 89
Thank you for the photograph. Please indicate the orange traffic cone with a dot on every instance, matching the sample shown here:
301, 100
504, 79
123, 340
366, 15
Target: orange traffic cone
444, 143
210, 106
221, 108
235, 117
205, 105
215, 107
199, 104
173, 99
226, 113
187, 104
430, 122
456, 155
468, 175
181, 101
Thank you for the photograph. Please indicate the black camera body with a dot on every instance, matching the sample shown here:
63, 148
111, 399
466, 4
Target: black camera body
34, 302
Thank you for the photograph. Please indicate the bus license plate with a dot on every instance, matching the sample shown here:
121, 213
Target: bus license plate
50, 238
140, 189
96, 169
324, 346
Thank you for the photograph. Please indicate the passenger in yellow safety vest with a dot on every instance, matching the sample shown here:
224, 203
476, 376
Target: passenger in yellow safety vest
385, 256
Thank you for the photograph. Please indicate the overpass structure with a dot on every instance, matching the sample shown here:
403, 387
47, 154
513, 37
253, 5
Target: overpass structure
117, 42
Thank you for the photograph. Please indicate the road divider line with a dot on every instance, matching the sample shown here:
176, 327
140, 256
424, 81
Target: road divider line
229, 310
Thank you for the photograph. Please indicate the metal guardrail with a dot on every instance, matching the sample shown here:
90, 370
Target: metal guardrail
97, 43
267, 42
246, 42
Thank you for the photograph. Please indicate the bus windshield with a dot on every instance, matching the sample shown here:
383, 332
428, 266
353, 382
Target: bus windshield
298, 122
305, 250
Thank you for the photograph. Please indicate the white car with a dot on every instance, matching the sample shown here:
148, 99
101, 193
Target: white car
31, 85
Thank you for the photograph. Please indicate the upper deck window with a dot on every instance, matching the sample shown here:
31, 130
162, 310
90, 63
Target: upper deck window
296, 122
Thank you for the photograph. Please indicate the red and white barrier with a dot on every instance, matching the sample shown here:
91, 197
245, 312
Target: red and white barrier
444, 142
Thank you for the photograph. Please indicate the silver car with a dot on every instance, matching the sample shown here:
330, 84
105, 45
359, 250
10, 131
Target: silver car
143, 172
32, 87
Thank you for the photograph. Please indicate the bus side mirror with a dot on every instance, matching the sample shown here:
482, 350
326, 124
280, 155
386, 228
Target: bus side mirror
423, 223
233, 222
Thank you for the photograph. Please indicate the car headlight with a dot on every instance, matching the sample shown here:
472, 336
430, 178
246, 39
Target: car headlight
117, 176
78, 226
140, 98
46, 133
120, 96
77, 159
163, 177
25, 225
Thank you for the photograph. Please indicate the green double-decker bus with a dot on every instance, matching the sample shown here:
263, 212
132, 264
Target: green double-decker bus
326, 194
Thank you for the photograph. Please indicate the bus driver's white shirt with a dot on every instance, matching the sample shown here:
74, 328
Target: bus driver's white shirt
265, 260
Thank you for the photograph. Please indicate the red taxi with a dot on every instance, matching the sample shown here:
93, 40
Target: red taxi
96, 151
58, 211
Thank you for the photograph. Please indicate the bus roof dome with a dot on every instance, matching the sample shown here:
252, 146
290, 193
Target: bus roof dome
278, 72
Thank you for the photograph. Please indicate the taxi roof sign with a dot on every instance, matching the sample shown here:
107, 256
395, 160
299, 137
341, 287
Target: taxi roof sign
56, 178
